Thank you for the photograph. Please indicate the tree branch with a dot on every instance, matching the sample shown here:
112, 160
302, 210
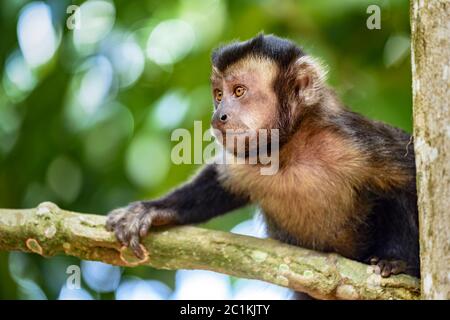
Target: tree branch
48, 230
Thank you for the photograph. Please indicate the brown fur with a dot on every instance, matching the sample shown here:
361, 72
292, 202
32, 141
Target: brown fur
316, 195
312, 196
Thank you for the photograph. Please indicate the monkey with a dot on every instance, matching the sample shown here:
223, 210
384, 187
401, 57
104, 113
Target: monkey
345, 184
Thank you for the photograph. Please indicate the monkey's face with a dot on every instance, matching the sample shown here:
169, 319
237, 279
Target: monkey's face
245, 103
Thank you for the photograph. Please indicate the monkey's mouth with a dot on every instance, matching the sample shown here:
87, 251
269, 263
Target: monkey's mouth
234, 135
241, 140
231, 133
239, 133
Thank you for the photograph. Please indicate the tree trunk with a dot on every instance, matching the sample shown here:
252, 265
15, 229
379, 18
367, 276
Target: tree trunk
430, 28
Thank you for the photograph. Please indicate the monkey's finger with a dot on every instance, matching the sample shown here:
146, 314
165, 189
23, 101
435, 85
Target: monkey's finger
115, 217
111, 221
146, 223
136, 247
127, 226
396, 270
386, 272
374, 260
109, 225
131, 231
121, 234
132, 227
379, 267
398, 267
120, 237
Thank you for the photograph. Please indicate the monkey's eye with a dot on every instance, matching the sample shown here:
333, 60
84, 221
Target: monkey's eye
218, 95
239, 91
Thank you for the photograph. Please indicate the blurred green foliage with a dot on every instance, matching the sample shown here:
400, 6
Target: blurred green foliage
86, 115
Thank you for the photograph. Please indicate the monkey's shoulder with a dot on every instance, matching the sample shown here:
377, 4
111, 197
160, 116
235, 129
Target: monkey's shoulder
368, 132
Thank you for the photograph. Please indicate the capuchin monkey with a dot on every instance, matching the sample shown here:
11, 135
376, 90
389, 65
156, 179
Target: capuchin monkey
345, 184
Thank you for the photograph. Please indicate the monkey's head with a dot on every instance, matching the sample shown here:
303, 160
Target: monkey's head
262, 84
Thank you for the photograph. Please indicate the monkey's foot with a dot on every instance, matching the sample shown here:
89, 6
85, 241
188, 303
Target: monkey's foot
130, 224
386, 268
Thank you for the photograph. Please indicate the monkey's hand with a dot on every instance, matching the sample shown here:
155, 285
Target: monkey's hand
131, 223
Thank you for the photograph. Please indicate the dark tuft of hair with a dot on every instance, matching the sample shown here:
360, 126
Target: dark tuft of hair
281, 51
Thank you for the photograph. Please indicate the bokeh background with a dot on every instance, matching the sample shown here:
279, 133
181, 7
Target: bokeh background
86, 115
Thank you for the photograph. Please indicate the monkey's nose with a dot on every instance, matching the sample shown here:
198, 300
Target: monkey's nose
223, 117
220, 120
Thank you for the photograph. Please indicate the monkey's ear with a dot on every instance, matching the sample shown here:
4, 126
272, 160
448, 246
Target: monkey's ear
310, 76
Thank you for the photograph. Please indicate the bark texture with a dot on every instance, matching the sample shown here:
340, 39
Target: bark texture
430, 28
48, 230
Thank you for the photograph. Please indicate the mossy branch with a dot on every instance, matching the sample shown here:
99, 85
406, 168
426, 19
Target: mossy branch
48, 230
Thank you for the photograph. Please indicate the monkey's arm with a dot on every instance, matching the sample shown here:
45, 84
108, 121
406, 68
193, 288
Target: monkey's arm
196, 201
